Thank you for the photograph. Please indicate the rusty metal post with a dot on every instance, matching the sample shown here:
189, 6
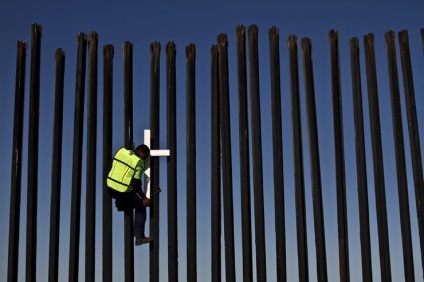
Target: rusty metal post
154, 162
77, 158
361, 165
108, 53
227, 176
380, 193
33, 140
16, 177
246, 216
302, 246
414, 137
339, 157
191, 162
405, 220
277, 142
258, 198
171, 113
56, 166
128, 141
422, 37
128, 95
90, 223
315, 163
215, 169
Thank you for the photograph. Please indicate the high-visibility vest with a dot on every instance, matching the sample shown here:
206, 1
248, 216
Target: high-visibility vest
124, 165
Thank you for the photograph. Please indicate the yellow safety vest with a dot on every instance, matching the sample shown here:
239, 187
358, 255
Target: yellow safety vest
124, 166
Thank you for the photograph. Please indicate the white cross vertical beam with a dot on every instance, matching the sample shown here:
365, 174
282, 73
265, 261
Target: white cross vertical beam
153, 153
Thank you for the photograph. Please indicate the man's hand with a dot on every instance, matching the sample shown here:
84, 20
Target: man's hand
146, 202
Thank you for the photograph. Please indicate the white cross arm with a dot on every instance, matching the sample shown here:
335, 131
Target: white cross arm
153, 153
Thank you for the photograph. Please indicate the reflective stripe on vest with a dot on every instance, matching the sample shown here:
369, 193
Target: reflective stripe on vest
122, 172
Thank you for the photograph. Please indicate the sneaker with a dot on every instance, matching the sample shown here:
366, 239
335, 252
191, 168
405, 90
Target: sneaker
143, 240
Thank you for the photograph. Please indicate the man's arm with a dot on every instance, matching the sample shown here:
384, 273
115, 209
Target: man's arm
139, 191
136, 184
137, 176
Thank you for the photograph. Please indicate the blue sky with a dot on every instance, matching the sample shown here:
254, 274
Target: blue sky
200, 22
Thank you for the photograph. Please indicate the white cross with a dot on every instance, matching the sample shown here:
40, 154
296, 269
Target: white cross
153, 153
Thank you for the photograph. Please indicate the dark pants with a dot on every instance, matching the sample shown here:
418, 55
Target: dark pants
129, 201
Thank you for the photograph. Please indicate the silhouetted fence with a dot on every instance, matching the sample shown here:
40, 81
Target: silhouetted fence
221, 158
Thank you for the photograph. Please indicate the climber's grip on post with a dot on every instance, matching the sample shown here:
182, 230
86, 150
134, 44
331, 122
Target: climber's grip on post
137, 188
136, 183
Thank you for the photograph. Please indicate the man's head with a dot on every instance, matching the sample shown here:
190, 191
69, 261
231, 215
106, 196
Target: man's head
142, 151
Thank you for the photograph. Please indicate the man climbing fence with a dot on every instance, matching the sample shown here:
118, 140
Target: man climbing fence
124, 185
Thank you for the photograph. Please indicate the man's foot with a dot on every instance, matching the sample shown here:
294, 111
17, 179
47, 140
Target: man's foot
143, 240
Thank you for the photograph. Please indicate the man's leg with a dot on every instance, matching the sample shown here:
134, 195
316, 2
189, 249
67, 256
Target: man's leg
139, 222
119, 198
140, 217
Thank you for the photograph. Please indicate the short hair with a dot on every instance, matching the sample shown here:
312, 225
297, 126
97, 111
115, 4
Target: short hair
143, 148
